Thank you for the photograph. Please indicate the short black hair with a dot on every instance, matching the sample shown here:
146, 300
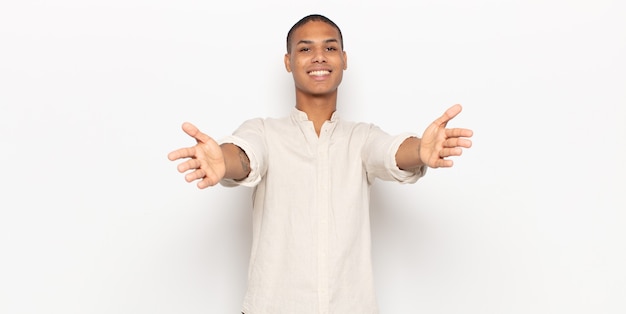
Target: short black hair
312, 18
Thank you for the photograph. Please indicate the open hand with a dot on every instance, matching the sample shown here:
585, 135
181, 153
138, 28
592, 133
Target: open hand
438, 142
206, 159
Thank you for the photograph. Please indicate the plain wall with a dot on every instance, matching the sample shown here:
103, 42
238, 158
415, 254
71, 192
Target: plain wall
95, 219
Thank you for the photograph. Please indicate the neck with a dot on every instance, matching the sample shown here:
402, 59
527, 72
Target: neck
319, 108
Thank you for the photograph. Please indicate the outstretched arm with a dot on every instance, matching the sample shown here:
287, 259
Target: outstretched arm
208, 161
437, 143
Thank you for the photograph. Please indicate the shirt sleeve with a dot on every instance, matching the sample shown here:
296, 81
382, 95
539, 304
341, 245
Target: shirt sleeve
379, 156
250, 137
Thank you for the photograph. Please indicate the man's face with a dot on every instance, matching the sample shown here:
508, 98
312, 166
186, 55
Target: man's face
317, 60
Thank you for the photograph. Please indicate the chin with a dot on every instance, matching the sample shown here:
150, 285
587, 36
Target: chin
323, 93
313, 92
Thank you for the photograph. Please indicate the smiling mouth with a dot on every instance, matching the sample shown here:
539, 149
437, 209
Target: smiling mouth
319, 73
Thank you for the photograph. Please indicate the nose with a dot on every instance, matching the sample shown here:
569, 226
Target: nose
319, 56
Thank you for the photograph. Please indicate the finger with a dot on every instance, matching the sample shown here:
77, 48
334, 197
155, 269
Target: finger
194, 132
186, 152
449, 114
195, 175
207, 182
447, 152
443, 163
202, 184
189, 164
459, 132
457, 142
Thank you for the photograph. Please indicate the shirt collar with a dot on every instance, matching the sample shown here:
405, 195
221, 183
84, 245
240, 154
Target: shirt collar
302, 116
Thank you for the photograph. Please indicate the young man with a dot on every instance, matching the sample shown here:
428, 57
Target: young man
312, 172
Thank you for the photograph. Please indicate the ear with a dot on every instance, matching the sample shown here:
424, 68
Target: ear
288, 62
345, 60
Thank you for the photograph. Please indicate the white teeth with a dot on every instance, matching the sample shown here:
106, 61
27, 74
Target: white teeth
319, 73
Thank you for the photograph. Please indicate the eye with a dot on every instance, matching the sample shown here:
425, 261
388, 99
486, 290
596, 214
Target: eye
331, 49
304, 49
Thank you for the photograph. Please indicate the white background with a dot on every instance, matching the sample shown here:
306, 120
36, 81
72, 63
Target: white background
95, 219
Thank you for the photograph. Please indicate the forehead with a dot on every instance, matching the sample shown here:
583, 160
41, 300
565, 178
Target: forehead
315, 31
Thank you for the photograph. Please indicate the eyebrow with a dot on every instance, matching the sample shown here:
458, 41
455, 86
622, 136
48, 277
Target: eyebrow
306, 41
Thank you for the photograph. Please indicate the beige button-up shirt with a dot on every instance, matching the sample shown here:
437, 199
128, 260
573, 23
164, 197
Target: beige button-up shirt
311, 249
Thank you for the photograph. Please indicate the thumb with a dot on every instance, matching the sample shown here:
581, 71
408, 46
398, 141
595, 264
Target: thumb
449, 115
193, 131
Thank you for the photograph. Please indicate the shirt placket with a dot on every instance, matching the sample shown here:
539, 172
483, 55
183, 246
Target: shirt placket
323, 180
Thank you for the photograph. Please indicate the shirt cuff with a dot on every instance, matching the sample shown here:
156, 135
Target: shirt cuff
400, 175
253, 177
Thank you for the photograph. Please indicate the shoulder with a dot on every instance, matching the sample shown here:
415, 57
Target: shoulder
260, 124
357, 127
